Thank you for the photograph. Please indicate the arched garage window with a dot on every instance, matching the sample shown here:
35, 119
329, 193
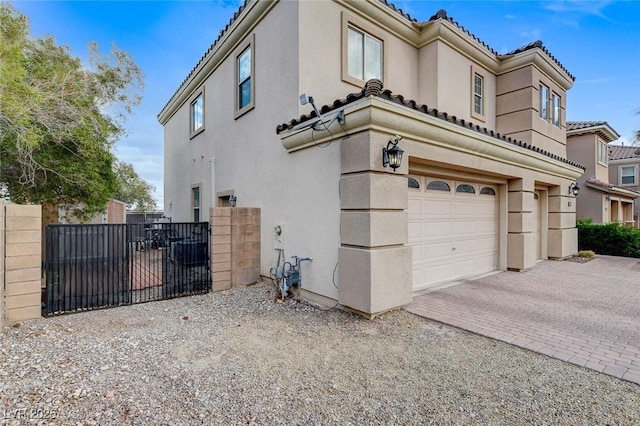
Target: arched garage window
438, 185
467, 189
413, 183
487, 191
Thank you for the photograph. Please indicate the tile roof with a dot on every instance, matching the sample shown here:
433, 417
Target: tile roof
393, 7
600, 128
374, 88
213, 45
617, 152
538, 45
579, 125
441, 14
609, 187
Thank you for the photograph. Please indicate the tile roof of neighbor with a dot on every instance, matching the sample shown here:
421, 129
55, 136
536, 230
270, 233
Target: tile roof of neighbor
606, 185
374, 88
579, 125
441, 14
617, 152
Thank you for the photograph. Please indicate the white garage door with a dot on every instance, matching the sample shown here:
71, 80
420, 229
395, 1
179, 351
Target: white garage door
453, 230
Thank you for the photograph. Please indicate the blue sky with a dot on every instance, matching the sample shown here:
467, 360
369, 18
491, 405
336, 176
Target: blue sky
597, 41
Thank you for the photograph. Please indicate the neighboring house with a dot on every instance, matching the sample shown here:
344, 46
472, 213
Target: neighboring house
483, 185
624, 171
115, 212
599, 198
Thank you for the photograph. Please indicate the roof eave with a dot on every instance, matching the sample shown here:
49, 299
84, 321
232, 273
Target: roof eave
252, 14
602, 129
542, 61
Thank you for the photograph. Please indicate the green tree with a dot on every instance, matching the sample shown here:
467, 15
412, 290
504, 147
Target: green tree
59, 119
133, 190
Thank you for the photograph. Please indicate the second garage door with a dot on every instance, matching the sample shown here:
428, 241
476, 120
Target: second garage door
453, 230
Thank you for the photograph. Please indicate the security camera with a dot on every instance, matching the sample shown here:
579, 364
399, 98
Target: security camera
304, 99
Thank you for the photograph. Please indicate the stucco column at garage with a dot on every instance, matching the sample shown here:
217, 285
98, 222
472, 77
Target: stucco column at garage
375, 262
563, 234
521, 240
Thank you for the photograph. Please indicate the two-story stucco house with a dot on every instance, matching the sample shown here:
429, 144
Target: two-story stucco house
601, 198
484, 182
624, 171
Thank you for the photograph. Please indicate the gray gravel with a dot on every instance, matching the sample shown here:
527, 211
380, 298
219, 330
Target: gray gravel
238, 357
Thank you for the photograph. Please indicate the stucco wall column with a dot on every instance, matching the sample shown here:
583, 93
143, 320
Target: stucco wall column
521, 240
375, 262
563, 234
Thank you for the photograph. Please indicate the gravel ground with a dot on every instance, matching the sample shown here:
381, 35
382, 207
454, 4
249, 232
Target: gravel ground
236, 357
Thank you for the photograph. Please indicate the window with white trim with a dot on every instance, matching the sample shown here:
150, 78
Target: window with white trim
478, 94
628, 175
364, 55
603, 153
197, 113
544, 102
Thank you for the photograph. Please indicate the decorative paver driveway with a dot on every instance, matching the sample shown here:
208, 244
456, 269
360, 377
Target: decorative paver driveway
587, 314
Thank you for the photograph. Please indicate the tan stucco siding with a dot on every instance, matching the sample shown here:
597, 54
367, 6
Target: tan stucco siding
292, 190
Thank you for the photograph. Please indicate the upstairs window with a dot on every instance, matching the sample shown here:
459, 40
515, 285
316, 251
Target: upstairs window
544, 102
628, 175
244, 79
364, 55
197, 114
555, 110
603, 153
245, 84
478, 94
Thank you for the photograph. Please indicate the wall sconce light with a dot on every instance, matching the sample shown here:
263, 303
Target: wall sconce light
392, 154
232, 200
574, 189
608, 197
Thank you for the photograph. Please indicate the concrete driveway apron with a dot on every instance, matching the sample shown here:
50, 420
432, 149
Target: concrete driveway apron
584, 313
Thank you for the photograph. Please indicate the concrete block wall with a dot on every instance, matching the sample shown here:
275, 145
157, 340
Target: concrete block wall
20, 261
235, 246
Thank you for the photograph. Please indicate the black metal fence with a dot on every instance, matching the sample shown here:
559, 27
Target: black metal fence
97, 266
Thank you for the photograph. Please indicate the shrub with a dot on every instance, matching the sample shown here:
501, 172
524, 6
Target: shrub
587, 254
611, 239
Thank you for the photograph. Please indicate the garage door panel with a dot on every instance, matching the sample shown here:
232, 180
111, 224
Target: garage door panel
448, 220
434, 230
438, 207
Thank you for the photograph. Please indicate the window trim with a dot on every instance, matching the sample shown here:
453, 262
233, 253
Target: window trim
250, 44
556, 114
602, 148
483, 96
197, 186
194, 132
369, 30
635, 175
544, 101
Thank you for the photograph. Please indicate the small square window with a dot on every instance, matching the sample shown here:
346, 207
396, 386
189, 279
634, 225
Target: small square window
197, 113
628, 175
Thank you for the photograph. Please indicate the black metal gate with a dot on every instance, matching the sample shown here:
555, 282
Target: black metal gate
98, 266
